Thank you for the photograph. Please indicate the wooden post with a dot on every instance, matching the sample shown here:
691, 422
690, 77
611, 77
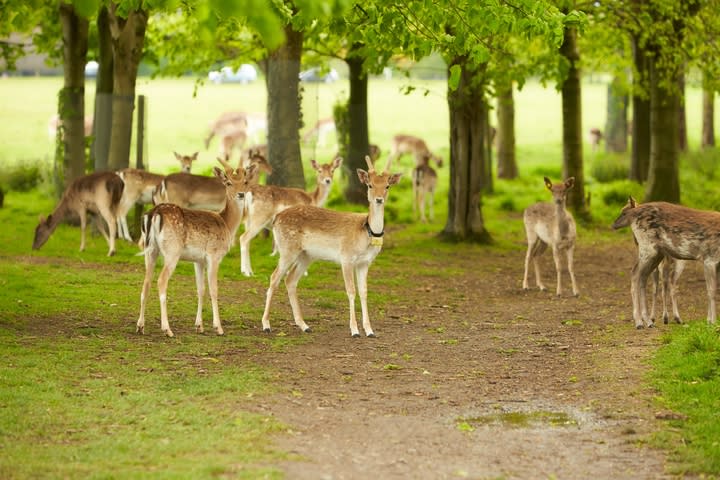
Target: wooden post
140, 160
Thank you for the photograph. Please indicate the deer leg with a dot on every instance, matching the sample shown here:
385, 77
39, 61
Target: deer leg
200, 285
112, 226
571, 269
679, 267
528, 256
431, 203
658, 289
291, 281
362, 273
251, 231
212, 273
163, 279
710, 268
277, 275
83, 223
348, 274
648, 261
151, 255
558, 269
634, 296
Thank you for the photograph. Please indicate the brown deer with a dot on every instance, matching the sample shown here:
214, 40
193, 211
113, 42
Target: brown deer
424, 180
320, 131
198, 236
408, 144
551, 224
269, 200
595, 136
670, 233
99, 193
139, 186
305, 233
234, 128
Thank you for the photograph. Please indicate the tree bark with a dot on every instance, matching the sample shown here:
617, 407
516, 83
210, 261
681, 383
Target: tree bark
616, 125
663, 176
708, 118
358, 147
505, 135
102, 123
467, 152
71, 102
572, 123
682, 117
128, 38
284, 112
640, 154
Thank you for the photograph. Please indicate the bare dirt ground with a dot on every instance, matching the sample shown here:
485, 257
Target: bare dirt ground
424, 399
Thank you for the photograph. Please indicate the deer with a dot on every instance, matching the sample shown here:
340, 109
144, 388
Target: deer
98, 192
139, 186
551, 224
320, 131
668, 232
305, 233
229, 126
200, 192
269, 200
424, 179
408, 144
595, 136
199, 236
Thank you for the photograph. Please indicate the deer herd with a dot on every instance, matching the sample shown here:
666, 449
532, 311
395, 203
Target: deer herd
196, 218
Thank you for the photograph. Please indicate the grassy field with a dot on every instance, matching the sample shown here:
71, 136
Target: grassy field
77, 401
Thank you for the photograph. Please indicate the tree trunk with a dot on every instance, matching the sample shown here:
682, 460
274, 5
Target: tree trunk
128, 37
572, 123
102, 122
467, 162
640, 155
71, 102
356, 192
708, 118
682, 117
616, 126
505, 139
284, 112
663, 176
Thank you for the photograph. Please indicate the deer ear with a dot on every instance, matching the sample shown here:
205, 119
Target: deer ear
177, 155
394, 178
337, 162
632, 202
363, 176
194, 155
314, 164
570, 182
548, 183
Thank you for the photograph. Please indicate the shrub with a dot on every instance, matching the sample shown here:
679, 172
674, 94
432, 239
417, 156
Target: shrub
21, 177
607, 168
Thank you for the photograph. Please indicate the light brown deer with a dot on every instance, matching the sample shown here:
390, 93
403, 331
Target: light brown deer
424, 180
199, 192
551, 224
198, 236
269, 200
306, 233
99, 193
595, 136
234, 128
139, 186
663, 232
320, 132
408, 144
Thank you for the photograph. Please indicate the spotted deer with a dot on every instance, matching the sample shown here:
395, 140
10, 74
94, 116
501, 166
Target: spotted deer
305, 233
234, 128
98, 193
668, 233
199, 236
139, 186
551, 224
408, 144
269, 200
424, 180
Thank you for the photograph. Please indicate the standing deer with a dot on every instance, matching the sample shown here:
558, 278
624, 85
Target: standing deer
551, 224
424, 180
305, 233
408, 144
595, 136
269, 200
139, 186
320, 131
234, 128
664, 231
198, 236
98, 192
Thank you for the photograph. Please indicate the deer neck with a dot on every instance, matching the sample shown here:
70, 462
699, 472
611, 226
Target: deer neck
232, 215
320, 195
561, 217
376, 219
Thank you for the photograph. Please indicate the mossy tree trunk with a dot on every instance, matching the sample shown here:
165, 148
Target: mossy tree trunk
102, 124
640, 153
505, 135
358, 147
616, 125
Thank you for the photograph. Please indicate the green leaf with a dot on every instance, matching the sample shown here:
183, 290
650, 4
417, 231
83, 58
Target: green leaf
454, 79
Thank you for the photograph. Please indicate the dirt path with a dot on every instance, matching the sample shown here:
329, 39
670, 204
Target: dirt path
472, 377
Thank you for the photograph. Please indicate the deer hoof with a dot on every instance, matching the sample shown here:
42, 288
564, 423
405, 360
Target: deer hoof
199, 329
307, 330
169, 333
371, 335
355, 335
677, 320
111, 253
219, 331
140, 330
266, 330
639, 327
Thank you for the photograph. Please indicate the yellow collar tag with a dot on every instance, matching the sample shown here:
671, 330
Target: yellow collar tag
376, 241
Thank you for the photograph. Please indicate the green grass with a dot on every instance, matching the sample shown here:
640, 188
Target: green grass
687, 375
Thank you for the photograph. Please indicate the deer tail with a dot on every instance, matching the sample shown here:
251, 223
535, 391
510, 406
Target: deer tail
115, 186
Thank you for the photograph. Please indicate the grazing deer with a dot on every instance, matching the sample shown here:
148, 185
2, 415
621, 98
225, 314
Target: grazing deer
98, 192
320, 131
663, 232
305, 233
408, 144
139, 186
424, 180
55, 122
199, 236
595, 136
269, 200
230, 124
551, 224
